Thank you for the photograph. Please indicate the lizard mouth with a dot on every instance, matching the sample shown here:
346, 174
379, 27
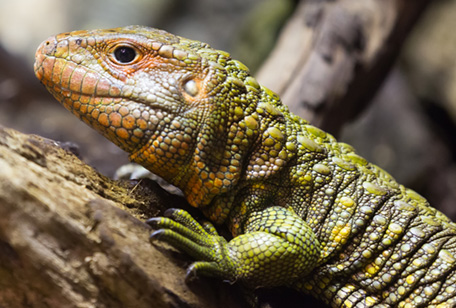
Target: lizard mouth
96, 99
69, 76
126, 123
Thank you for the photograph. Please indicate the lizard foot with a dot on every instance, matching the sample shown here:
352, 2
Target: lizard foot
277, 247
201, 241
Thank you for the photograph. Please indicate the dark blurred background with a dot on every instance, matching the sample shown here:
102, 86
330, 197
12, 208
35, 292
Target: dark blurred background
409, 129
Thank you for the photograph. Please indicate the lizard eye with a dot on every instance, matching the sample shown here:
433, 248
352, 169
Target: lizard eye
125, 54
190, 87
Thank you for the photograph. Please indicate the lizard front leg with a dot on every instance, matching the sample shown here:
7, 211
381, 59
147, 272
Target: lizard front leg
277, 248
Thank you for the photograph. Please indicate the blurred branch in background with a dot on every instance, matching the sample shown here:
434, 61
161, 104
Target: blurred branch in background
333, 56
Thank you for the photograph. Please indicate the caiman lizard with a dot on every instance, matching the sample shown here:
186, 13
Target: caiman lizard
305, 211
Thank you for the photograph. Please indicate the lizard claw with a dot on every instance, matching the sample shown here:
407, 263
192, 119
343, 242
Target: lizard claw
156, 235
153, 221
191, 274
170, 212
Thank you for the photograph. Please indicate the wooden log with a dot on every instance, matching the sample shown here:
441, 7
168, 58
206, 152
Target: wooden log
70, 237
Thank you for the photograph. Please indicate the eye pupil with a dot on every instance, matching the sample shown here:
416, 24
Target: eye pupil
125, 54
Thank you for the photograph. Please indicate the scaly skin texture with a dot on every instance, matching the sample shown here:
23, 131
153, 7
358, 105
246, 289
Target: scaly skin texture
305, 211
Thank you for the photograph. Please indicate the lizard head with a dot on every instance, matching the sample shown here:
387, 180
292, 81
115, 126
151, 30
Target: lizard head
178, 107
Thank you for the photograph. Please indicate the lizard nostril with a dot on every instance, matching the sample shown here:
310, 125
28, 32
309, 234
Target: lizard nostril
48, 46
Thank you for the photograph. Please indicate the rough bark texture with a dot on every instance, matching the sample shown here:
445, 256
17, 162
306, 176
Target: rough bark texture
333, 55
70, 237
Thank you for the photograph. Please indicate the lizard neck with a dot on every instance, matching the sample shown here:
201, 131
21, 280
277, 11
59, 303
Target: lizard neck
263, 150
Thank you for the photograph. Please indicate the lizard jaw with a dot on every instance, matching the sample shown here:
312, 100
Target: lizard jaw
95, 98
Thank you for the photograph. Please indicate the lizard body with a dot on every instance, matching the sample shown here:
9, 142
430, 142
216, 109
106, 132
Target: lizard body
305, 211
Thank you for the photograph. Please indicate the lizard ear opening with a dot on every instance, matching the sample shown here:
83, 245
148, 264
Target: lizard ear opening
191, 87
